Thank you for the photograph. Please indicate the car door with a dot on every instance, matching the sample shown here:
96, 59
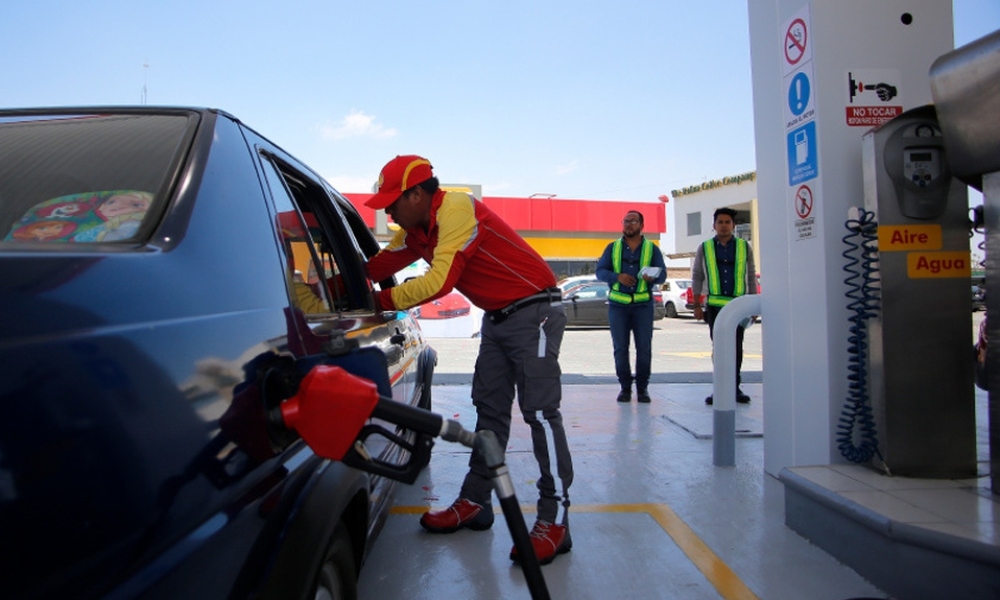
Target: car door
591, 304
330, 288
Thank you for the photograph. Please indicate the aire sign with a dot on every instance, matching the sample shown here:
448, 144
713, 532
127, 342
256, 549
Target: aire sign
923, 243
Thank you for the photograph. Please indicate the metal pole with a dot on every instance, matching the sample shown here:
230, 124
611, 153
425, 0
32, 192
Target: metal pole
486, 443
724, 377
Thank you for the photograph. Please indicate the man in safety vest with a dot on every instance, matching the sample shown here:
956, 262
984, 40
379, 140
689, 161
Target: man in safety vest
724, 267
631, 266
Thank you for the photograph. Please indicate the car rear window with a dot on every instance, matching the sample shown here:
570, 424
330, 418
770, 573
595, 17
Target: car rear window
86, 178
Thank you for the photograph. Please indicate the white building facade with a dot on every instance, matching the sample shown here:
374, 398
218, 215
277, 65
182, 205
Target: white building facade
693, 207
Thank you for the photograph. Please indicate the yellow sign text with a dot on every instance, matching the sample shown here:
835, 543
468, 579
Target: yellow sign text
896, 238
938, 265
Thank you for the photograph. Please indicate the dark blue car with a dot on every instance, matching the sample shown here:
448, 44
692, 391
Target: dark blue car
167, 276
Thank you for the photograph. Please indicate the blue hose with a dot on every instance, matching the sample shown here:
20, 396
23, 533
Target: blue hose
863, 295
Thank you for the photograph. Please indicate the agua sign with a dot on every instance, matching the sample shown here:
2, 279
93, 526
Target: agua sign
938, 265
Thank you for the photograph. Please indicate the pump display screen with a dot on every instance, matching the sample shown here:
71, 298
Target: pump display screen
921, 166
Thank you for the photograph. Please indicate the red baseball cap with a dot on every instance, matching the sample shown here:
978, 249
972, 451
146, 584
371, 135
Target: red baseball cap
397, 176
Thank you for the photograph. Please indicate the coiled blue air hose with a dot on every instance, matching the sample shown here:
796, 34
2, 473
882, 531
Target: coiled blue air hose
863, 295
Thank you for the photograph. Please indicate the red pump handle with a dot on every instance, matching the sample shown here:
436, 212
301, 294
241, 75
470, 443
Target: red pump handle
330, 409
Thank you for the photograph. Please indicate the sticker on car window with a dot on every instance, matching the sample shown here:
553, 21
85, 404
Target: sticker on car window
86, 217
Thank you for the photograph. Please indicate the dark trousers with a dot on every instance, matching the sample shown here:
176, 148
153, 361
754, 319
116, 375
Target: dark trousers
711, 312
632, 321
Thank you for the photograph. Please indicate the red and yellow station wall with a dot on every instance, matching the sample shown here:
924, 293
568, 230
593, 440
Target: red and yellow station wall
561, 229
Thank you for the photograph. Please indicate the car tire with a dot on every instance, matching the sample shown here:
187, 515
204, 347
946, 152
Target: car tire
428, 361
425, 398
671, 310
338, 575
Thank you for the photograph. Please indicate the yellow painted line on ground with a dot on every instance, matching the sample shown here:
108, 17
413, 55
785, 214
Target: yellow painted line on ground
723, 579
408, 510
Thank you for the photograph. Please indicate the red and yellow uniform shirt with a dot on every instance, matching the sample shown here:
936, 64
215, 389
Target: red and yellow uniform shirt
469, 248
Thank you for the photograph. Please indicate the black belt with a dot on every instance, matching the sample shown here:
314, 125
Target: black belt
552, 294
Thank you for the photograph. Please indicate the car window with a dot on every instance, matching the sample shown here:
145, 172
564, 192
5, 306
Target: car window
365, 243
87, 178
591, 291
315, 252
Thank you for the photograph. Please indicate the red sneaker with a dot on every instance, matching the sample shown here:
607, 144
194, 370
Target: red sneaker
462, 513
548, 540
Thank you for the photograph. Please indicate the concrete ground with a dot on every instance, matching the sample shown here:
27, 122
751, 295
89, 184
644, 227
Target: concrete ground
651, 517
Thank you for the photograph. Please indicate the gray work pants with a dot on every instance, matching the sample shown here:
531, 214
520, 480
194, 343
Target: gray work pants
514, 357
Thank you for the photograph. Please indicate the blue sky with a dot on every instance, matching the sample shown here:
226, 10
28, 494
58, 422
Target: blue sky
599, 100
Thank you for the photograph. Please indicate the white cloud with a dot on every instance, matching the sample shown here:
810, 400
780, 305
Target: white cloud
568, 168
357, 124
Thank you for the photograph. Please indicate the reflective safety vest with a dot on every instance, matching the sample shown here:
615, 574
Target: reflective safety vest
715, 297
641, 287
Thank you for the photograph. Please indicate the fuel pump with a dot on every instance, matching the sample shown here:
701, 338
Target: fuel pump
920, 369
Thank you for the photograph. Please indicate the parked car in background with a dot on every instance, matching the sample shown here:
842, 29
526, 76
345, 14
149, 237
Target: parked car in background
565, 284
689, 298
659, 308
152, 325
978, 298
675, 301
448, 306
586, 305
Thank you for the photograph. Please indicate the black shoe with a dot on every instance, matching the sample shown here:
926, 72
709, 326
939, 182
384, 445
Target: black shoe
741, 397
708, 401
625, 396
643, 396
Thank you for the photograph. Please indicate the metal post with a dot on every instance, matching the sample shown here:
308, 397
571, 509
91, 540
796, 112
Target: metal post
724, 377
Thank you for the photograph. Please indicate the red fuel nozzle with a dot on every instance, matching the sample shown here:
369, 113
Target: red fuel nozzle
330, 409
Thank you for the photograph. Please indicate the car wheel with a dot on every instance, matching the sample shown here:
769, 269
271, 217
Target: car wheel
338, 578
671, 310
425, 398
426, 377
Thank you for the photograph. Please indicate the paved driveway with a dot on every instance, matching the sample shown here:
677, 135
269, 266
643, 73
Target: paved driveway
682, 353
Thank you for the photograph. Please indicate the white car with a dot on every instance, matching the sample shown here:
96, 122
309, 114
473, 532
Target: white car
673, 297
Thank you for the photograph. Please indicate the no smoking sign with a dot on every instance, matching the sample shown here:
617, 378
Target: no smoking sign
803, 201
796, 43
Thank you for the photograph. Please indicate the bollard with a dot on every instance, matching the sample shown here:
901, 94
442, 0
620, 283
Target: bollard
724, 377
